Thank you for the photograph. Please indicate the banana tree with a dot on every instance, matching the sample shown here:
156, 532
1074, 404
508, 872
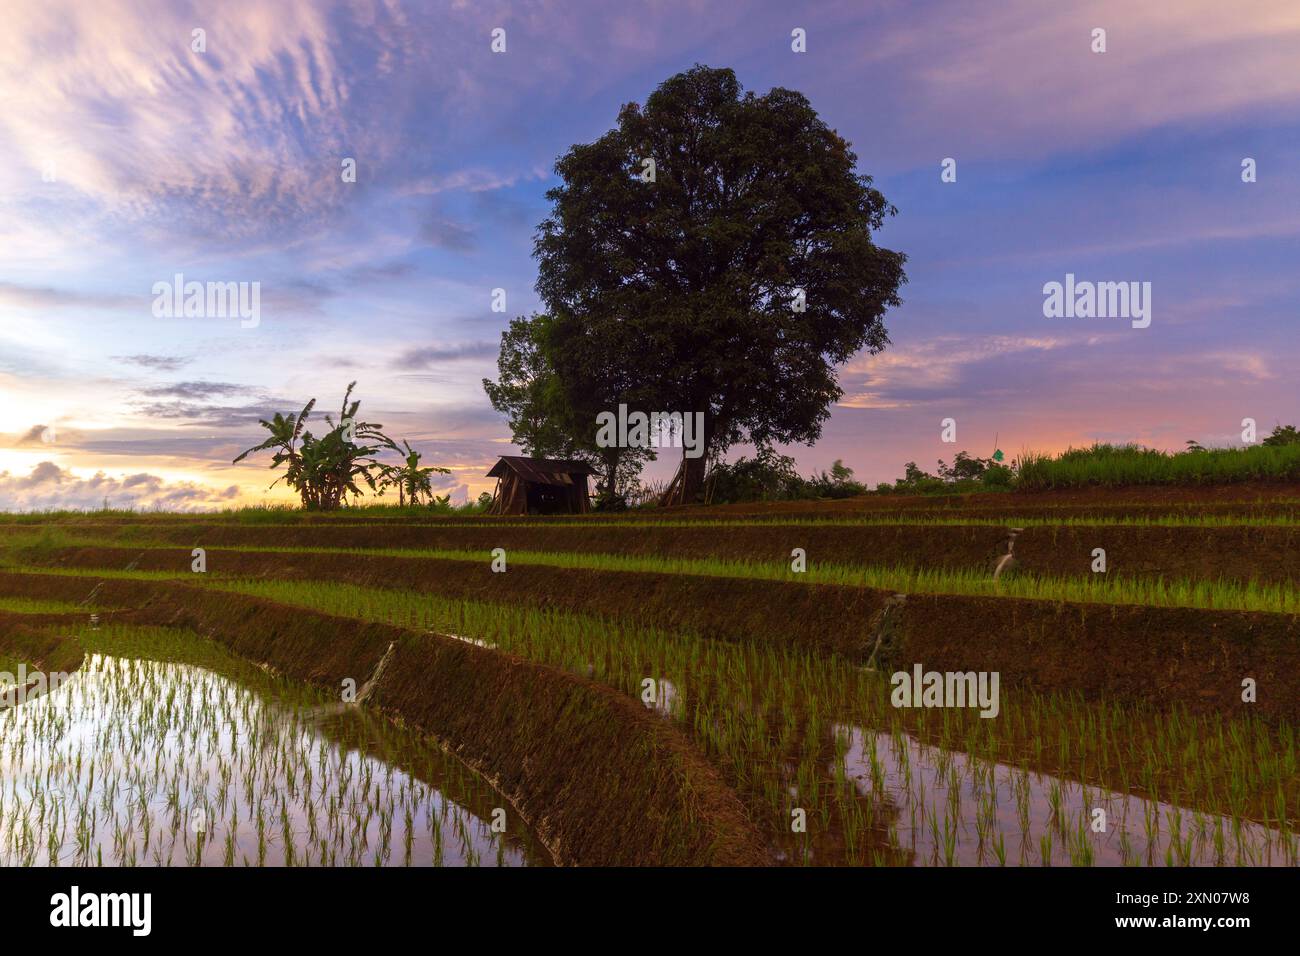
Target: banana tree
285, 431
325, 470
412, 481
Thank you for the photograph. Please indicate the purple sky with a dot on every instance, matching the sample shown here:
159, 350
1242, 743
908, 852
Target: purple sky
131, 157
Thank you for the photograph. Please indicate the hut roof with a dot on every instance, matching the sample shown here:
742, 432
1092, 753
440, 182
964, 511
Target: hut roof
541, 471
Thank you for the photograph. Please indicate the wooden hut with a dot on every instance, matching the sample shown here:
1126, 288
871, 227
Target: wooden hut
539, 486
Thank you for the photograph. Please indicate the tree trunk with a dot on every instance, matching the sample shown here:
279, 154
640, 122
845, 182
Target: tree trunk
688, 484
610, 481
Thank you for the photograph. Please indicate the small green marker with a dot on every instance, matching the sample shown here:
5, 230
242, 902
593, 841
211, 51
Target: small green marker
997, 455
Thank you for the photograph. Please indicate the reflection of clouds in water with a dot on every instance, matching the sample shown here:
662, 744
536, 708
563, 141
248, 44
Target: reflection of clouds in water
151, 744
945, 799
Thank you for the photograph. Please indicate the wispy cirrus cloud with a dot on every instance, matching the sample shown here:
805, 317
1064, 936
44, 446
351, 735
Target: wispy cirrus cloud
263, 98
48, 297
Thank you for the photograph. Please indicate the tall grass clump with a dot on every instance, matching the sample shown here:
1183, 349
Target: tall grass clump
1115, 465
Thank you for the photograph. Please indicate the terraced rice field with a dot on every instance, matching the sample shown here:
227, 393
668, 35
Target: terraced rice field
697, 686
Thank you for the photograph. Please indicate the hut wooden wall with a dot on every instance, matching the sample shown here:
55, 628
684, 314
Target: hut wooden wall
511, 496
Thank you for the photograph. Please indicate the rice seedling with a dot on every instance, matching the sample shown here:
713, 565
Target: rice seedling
1093, 589
75, 790
789, 729
1224, 594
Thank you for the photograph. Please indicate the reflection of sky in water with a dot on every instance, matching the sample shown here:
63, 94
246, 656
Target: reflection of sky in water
129, 759
923, 782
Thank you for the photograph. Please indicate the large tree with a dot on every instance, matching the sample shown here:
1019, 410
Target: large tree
739, 275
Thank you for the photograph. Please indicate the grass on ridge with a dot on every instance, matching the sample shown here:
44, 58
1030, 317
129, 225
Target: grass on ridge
17, 604
1222, 595
1093, 589
1126, 465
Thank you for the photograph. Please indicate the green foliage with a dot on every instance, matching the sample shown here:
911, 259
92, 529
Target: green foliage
998, 476
964, 467
1283, 435
838, 484
772, 477
967, 473
765, 477
551, 388
325, 470
411, 481
1113, 465
695, 274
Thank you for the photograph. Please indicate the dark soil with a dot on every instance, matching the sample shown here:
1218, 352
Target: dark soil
1261, 554
1168, 657
1268, 553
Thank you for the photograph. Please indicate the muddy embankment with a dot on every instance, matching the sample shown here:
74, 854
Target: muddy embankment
824, 618
1262, 497
940, 546
1265, 554
1163, 657
601, 779
34, 641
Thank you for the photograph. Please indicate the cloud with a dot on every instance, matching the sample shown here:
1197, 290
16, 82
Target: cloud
35, 435
192, 390
213, 416
48, 486
45, 297
506, 210
1030, 65
444, 233
383, 272
237, 140
941, 368
474, 180
159, 363
421, 358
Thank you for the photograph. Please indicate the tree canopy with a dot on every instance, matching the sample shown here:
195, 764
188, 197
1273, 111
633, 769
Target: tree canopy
732, 277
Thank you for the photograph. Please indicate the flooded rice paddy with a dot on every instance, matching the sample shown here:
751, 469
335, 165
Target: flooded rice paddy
149, 762
949, 808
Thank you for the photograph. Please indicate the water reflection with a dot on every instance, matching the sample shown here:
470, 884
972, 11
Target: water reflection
138, 762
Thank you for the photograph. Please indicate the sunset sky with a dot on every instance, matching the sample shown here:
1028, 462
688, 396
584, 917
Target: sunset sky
224, 165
